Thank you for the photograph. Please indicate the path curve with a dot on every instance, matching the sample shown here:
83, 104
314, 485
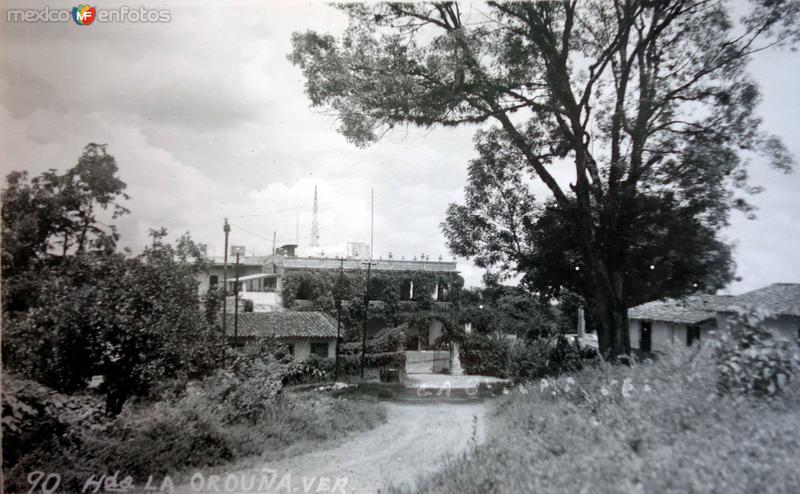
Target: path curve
415, 440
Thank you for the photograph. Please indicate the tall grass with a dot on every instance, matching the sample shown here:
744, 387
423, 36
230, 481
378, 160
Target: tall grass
655, 426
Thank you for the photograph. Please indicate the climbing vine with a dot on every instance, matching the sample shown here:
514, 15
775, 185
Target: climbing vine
390, 288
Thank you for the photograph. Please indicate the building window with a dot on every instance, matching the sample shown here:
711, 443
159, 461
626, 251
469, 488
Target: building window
213, 280
692, 334
319, 349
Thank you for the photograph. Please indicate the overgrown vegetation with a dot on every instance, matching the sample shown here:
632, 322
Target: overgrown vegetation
389, 288
654, 426
198, 429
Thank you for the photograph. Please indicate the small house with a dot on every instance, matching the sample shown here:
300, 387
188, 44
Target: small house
656, 325
305, 332
662, 323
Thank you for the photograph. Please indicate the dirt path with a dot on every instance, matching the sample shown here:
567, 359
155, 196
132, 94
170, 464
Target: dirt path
414, 440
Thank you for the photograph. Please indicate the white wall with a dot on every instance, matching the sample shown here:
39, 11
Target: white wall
665, 334
302, 347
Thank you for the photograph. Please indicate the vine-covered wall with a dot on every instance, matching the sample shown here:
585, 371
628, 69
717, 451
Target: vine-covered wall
324, 287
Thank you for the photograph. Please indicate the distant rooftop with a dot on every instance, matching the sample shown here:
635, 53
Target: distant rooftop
290, 262
781, 299
379, 264
689, 310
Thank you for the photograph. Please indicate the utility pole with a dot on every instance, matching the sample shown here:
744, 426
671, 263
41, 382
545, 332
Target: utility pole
338, 320
366, 318
366, 289
227, 229
371, 223
236, 300
274, 240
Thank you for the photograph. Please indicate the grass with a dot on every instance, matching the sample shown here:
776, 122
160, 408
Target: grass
669, 431
176, 438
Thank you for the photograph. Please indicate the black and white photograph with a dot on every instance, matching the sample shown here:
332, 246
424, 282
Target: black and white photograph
470, 247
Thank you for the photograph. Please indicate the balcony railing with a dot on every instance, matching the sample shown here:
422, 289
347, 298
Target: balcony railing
382, 264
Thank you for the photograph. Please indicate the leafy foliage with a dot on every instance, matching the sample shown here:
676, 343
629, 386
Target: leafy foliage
57, 213
483, 355
134, 320
323, 286
750, 359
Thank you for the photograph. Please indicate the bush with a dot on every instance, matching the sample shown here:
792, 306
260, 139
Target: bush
385, 341
251, 384
484, 355
311, 370
750, 360
546, 357
170, 437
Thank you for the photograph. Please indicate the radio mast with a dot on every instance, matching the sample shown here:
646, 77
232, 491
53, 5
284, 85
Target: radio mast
315, 222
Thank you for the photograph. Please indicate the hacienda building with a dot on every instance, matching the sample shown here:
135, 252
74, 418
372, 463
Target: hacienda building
284, 283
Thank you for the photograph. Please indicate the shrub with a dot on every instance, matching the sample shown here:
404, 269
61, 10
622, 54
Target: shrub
251, 384
386, 340
545, 357
484, 355
311, 370
750, 360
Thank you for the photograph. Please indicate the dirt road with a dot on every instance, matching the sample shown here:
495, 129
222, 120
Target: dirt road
414, 440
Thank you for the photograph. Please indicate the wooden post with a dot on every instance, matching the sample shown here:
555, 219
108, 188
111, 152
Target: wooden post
236, 300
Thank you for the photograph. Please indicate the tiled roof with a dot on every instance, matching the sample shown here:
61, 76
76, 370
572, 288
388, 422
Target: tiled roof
781, 299
285, 324
690, 310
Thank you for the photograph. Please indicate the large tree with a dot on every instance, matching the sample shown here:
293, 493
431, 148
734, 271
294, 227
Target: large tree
54, 215
645, 101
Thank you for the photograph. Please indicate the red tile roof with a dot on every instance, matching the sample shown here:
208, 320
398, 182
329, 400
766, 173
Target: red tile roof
690, 310
285, 324
781, 299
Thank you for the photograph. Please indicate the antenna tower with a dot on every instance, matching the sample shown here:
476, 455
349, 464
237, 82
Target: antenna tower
315, 222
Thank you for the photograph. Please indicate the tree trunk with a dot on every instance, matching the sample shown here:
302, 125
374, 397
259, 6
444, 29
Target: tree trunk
612, 315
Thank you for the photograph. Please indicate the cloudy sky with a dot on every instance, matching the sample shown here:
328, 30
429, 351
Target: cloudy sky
207, 119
